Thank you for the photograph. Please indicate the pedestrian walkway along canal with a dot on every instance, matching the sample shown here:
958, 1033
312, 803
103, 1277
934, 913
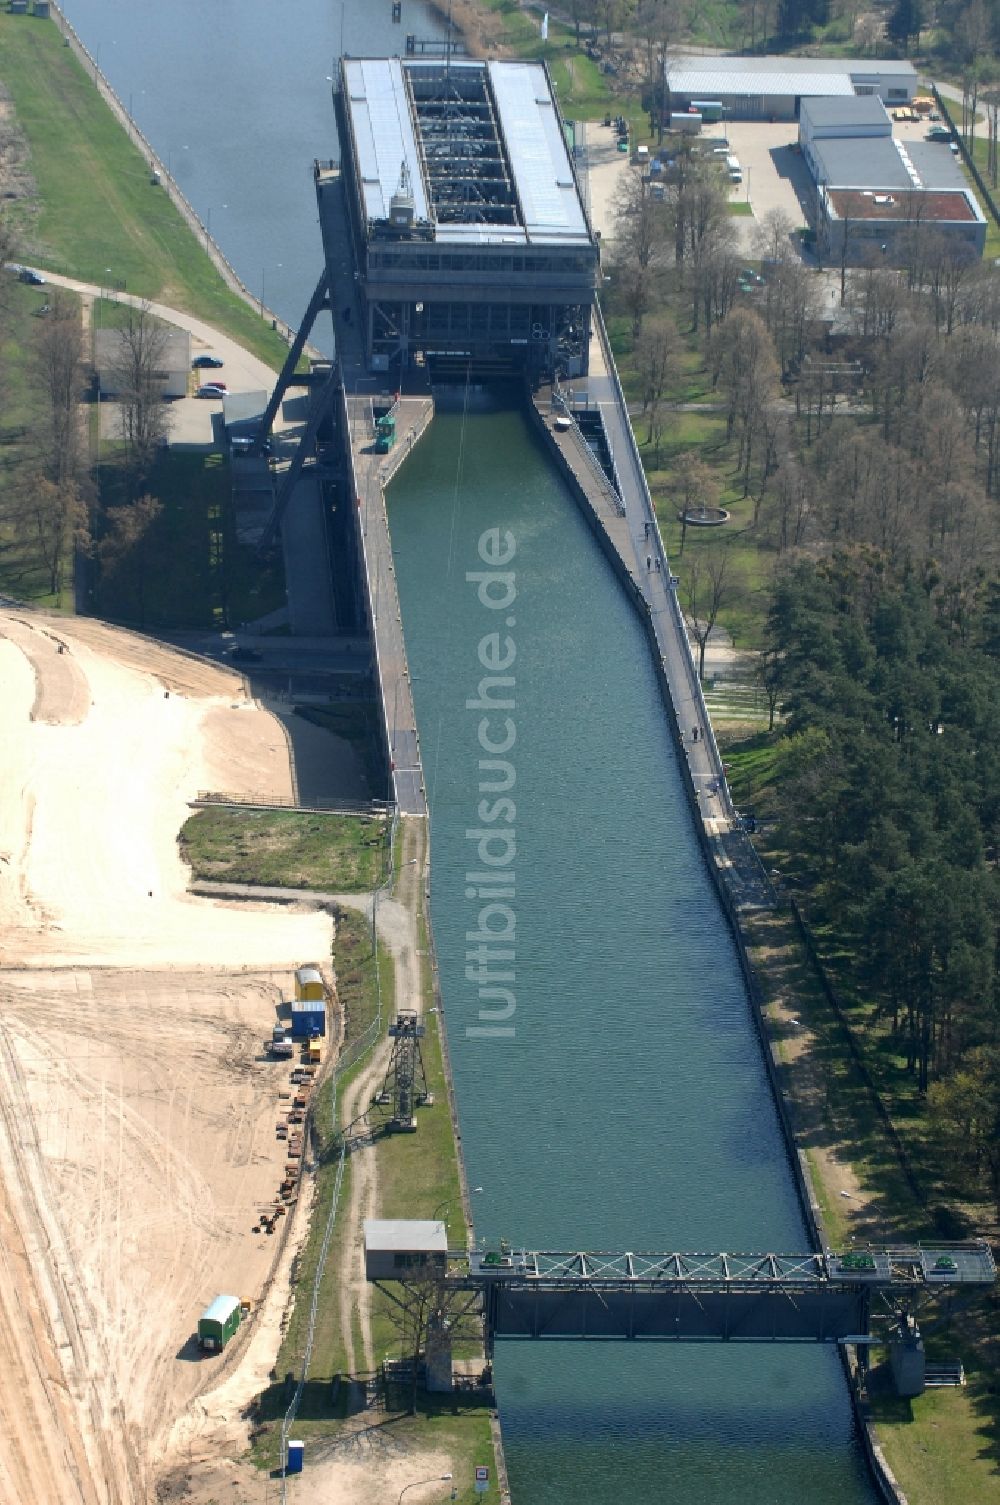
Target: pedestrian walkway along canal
613, 1096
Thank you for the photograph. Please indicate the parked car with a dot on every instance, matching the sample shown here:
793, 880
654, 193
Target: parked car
938, 133
36, 279
212, 361
213, 389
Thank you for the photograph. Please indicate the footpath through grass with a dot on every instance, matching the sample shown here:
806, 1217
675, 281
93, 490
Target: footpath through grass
285, 849
416, 1175
97, 208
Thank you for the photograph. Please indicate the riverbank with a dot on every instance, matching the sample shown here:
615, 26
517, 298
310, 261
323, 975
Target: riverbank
97, 215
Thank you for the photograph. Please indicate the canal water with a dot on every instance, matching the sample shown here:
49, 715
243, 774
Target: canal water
235, 97
615, 1095
626, 1106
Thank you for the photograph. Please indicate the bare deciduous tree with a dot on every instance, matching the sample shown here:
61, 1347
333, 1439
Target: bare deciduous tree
697, 487
773, 236
656, 354
126, 548
744, 360
425, 1307
138, 378
710, 584
58, 372
639, 251
53, 515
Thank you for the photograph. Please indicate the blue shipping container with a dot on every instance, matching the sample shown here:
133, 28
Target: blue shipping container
308, 1018
295, 1453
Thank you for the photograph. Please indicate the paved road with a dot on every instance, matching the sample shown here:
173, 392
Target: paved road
191, 417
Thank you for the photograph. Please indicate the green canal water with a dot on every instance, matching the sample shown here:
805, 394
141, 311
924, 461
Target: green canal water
613, 1096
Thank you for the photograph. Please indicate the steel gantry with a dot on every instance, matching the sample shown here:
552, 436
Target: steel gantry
690, 1297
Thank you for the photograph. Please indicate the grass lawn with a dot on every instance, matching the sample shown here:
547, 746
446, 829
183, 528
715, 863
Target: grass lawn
96, 205
943, 1445
285, 848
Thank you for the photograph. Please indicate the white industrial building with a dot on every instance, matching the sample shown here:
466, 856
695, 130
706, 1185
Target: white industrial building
173, 358
872, 190
774, 88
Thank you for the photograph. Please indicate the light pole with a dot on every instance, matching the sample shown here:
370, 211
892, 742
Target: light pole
263, 272
437, 1479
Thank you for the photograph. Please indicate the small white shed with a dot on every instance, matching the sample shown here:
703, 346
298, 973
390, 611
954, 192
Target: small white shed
397, 1247
173, 361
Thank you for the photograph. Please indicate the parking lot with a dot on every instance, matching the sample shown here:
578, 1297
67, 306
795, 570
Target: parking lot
774, 174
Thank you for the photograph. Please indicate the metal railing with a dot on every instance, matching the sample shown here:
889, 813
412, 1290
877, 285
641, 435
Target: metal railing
649, 510
329, 805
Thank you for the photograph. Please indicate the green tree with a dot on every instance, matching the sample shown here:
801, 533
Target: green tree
965, 1113
905, 23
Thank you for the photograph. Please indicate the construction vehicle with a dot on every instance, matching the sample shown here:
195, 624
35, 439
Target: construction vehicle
281, 1046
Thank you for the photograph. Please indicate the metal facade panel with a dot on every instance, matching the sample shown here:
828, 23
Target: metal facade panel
683, 1315
708, 81
383, 133
537, 152
860, 110
859, 162
698, 76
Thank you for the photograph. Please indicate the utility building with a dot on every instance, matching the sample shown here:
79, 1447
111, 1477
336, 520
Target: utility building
775, 88
471, 244
873, 192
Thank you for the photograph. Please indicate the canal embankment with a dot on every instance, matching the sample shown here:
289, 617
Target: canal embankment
744, 889
162, 177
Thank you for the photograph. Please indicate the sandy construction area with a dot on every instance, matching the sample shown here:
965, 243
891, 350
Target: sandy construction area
136, 1109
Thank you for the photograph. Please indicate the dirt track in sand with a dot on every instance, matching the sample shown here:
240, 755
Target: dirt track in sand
136, 1109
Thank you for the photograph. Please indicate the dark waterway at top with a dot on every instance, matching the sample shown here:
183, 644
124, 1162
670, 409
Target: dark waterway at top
630, 1108
235, 97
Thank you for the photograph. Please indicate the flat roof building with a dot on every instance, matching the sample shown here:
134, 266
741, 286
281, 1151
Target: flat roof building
469, 235
173, 358
397, 1244
855, 115
872, 191
774, 88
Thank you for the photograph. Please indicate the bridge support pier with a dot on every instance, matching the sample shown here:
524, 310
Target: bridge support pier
437, 1356
907, 1359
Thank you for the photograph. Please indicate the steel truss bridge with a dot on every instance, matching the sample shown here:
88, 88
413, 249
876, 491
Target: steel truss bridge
730, 1298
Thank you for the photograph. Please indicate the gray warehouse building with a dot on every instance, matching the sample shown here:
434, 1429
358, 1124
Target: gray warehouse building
872, 190
470, 239
774, 88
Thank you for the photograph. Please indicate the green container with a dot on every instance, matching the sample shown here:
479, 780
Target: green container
218, 1323
385, 434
